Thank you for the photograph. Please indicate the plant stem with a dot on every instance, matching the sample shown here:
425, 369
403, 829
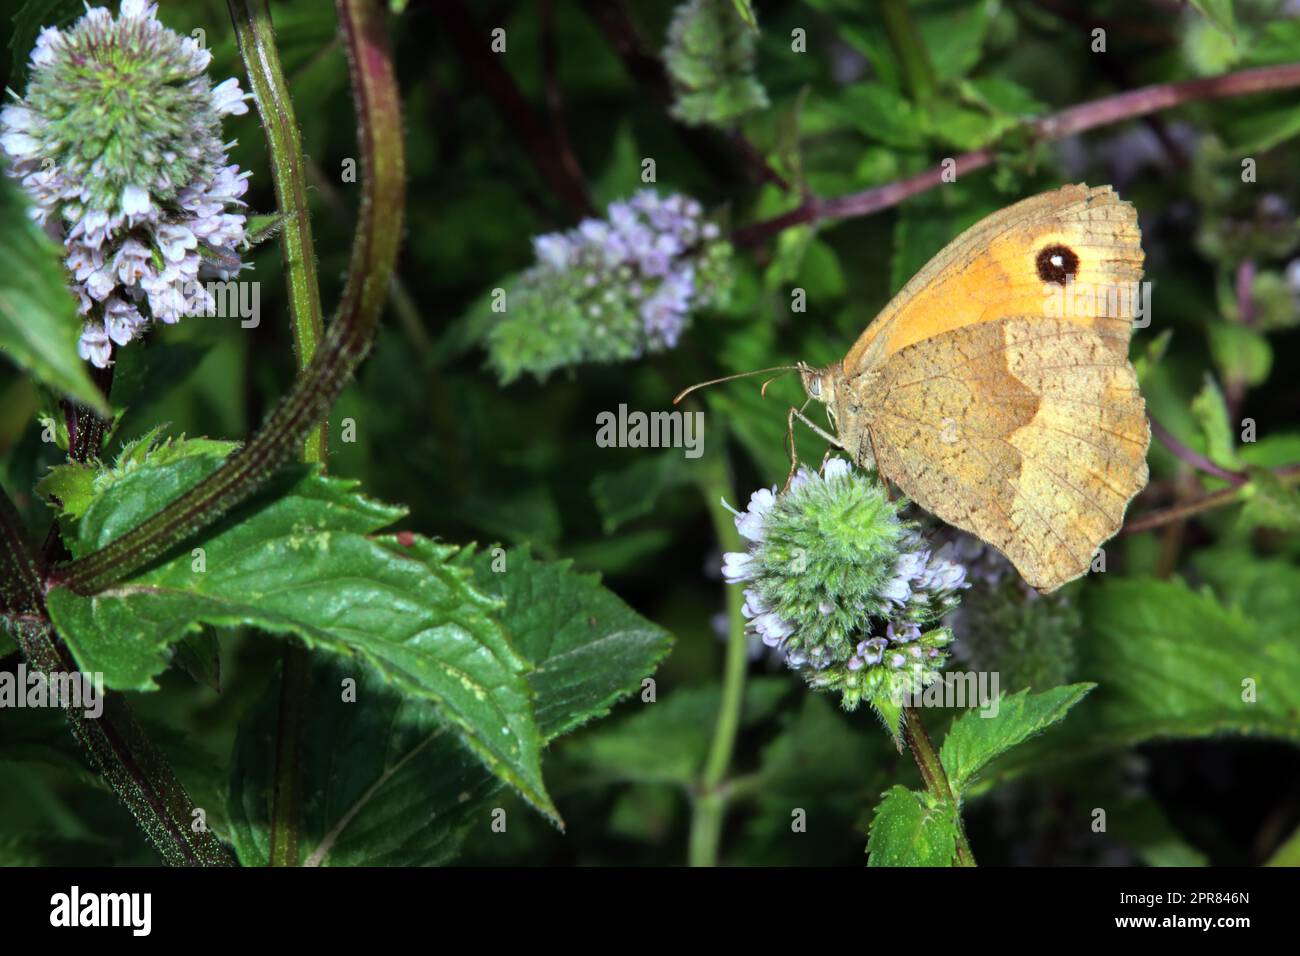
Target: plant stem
1068, 122
710, 800
256, 36
1194, 458
347, 338
20, 581
935, 777
117, 745
545, 148
133, 767
253, 27
1288, 475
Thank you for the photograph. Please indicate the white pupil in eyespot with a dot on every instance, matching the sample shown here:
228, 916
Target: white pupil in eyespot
1058, 261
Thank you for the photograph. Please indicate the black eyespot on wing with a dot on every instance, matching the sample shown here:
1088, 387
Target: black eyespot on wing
1056, 262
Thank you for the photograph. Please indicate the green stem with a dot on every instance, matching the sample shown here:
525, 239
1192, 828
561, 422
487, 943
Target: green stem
117, 745
253, 29
935, 777
256, 35
710, 802
133, 767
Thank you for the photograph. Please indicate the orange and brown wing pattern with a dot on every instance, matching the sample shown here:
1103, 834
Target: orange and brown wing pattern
1007, 265
1028, 432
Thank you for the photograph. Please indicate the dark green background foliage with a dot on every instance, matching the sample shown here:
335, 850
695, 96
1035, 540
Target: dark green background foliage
1186, 771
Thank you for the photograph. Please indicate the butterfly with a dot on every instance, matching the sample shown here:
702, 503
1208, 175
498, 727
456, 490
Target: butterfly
995, 389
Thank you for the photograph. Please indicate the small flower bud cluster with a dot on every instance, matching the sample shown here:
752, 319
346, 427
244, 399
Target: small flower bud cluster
844, 587
709, 56
612, 289
118, 143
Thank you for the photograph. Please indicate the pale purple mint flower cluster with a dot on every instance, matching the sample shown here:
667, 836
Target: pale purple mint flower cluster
144, 201
918, 587
645, 242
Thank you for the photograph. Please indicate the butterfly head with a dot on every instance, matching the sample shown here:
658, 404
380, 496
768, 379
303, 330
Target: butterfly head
819, 383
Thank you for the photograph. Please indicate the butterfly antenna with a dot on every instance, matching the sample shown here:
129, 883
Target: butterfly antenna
763, 391
731, 378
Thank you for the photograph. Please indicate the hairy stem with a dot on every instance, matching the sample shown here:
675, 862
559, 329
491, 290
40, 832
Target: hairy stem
935, 777
118, 747
253, 27
132, 766
347, 338
1068, 122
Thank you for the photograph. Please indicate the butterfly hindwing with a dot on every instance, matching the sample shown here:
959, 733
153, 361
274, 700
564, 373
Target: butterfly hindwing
1026, 431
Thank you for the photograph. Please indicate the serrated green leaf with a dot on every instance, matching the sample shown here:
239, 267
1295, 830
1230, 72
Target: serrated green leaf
39, 325
391, 787
1170, 661
300, 560
73, 487
586, 645
976, 737
908, 830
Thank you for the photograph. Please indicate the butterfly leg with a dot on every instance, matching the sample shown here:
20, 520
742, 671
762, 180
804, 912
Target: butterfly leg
789, 435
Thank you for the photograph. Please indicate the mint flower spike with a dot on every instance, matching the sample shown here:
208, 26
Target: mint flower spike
117, 141
612, 289
846, 589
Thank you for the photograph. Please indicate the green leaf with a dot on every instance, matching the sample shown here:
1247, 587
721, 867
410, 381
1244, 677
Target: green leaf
746, 12
388, 785
1269, 503
825, 763
908, 830
262, 227
1170, 661
1241, 354
39, 325
1212, 412
301, 560
666, 741
975, 739
385, 782
1218, 12
882, 114
586, 644
72, 488
199, 655
622, 496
